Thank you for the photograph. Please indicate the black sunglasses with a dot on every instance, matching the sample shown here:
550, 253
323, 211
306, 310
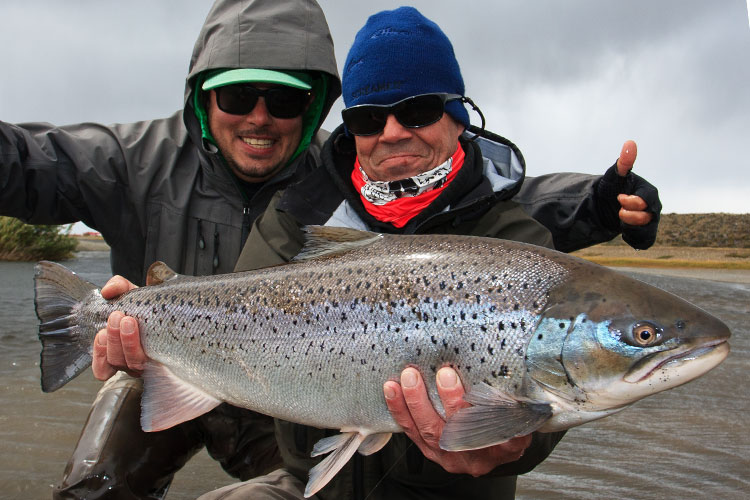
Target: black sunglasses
281, 102
413, 112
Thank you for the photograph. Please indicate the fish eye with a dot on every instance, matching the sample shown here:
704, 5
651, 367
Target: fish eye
646, 334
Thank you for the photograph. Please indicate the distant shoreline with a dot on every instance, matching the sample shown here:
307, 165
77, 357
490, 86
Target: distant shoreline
91, 244
658, 256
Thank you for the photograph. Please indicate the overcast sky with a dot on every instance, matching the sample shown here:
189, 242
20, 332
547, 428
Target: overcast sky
567, 80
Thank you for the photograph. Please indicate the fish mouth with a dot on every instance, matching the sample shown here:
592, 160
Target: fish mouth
702, 358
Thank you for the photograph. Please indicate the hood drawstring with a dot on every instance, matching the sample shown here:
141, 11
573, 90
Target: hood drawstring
201, 241
216, 248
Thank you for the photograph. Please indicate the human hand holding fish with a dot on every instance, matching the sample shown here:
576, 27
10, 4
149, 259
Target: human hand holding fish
118, 347
412, 409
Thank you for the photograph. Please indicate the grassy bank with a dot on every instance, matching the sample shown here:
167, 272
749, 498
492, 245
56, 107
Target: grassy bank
24, 242
665, 256
90, 244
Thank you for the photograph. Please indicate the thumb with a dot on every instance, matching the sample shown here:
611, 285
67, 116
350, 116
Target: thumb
627, 158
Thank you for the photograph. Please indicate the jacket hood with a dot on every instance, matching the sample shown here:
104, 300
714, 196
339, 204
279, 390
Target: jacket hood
278, 34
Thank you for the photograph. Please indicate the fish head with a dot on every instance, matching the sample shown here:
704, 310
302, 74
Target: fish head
607, 340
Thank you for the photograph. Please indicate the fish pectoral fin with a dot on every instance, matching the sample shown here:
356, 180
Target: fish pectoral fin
373, 443
168, 400
342, 447
494, 418
158, 273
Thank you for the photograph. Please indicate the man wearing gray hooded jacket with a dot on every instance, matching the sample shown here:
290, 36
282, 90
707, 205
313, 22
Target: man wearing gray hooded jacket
183, 190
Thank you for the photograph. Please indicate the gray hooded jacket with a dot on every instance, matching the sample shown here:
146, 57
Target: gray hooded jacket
156, 189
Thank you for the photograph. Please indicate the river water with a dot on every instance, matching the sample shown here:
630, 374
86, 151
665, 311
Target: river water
689, 442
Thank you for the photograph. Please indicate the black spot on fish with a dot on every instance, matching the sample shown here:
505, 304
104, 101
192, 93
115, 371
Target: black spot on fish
539, 336
501, 326
491, 350
561, 325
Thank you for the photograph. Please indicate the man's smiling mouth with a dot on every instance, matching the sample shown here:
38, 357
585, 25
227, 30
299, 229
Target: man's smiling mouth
258, 143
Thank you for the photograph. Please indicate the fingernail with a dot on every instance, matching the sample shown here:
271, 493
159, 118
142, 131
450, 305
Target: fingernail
101, 340
409, 378
389, 392
114, 320
127, 326
447, 378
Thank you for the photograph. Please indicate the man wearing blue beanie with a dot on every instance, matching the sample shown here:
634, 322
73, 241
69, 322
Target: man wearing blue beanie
407, 161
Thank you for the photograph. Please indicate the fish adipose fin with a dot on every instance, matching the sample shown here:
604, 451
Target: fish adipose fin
158, 273
494, 418
66, 347
168, 401
341, 448
324, 241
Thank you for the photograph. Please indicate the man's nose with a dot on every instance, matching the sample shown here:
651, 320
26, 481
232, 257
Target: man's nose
259, 115
394, 131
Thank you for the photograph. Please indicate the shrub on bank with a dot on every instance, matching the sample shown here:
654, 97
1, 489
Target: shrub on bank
19, 241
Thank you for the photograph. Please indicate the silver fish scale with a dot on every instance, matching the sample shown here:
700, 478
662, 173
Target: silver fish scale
314, 341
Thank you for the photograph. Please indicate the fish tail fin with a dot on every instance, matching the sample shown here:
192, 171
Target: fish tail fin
66, 346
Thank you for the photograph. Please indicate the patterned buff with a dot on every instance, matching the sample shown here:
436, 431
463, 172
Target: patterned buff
397, 202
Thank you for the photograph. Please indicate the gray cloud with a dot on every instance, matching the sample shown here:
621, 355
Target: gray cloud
568, 81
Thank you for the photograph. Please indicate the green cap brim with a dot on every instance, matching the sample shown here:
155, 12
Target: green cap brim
294, 79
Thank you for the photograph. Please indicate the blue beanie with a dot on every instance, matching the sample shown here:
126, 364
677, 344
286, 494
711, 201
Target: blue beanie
398, 54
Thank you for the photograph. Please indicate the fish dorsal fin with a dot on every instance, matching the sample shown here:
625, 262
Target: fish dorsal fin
324, 241
494, 418
168, 400
342, 447
158, 273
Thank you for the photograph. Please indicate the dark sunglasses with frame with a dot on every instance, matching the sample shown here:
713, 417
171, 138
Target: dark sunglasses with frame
413, 112
282, 102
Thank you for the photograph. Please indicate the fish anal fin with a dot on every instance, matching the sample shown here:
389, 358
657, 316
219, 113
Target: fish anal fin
167, 400
158, 273
325, 241
342, 447
494, 418
374, 443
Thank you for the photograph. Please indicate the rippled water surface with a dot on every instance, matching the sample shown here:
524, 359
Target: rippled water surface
689, 442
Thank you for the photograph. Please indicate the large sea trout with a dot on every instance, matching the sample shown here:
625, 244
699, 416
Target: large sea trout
542, 340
